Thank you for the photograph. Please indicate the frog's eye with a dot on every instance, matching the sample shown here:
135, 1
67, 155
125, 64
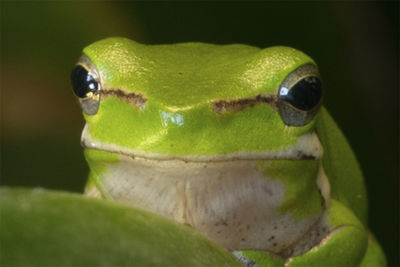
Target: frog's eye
86, 86
83, 82
300, 96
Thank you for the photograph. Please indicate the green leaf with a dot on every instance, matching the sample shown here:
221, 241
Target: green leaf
49, 228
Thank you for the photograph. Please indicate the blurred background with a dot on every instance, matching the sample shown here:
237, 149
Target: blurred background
356, 46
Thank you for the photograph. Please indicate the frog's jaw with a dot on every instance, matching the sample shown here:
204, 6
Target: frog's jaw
234, 203
307, 146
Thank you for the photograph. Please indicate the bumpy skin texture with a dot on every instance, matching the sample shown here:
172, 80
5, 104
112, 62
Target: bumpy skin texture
177, 85
48, 228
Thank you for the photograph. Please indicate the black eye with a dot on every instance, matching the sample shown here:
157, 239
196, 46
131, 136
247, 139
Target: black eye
304, 95
300, 96
83, 82
86, 85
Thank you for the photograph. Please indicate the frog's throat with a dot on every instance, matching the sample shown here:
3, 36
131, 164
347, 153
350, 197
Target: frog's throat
308, 147
237, 204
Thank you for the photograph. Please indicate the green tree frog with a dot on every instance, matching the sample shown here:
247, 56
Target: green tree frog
231, 140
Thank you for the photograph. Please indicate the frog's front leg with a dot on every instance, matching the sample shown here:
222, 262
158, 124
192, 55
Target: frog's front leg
348, 243
345, 242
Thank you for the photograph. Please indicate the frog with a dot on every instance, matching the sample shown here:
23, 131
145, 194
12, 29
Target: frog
229, 139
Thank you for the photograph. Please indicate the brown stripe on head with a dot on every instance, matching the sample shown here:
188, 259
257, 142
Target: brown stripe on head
225, 106
134, 99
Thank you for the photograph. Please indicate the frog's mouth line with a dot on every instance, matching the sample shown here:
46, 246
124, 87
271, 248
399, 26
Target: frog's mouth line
308, 147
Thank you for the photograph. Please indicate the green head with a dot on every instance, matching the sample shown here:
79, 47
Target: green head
195, 99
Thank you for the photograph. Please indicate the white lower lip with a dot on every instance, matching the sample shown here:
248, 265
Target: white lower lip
308, 145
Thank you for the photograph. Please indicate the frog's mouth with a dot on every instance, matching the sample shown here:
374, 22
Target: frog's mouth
308, 147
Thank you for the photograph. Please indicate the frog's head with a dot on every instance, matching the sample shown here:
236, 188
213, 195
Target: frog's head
196, 100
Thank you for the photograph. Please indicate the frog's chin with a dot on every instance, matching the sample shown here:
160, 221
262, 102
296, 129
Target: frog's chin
308, 147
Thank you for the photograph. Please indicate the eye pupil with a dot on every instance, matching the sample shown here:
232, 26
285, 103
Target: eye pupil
83, 82
304, 95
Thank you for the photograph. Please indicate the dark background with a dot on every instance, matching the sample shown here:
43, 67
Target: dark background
356, 45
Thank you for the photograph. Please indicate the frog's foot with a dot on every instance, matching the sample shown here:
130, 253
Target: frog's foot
345, 242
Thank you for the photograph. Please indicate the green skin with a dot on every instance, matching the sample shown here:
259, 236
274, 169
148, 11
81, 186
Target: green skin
171, 118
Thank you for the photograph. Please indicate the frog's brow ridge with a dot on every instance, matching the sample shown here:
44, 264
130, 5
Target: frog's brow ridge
225, 106
135, 99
